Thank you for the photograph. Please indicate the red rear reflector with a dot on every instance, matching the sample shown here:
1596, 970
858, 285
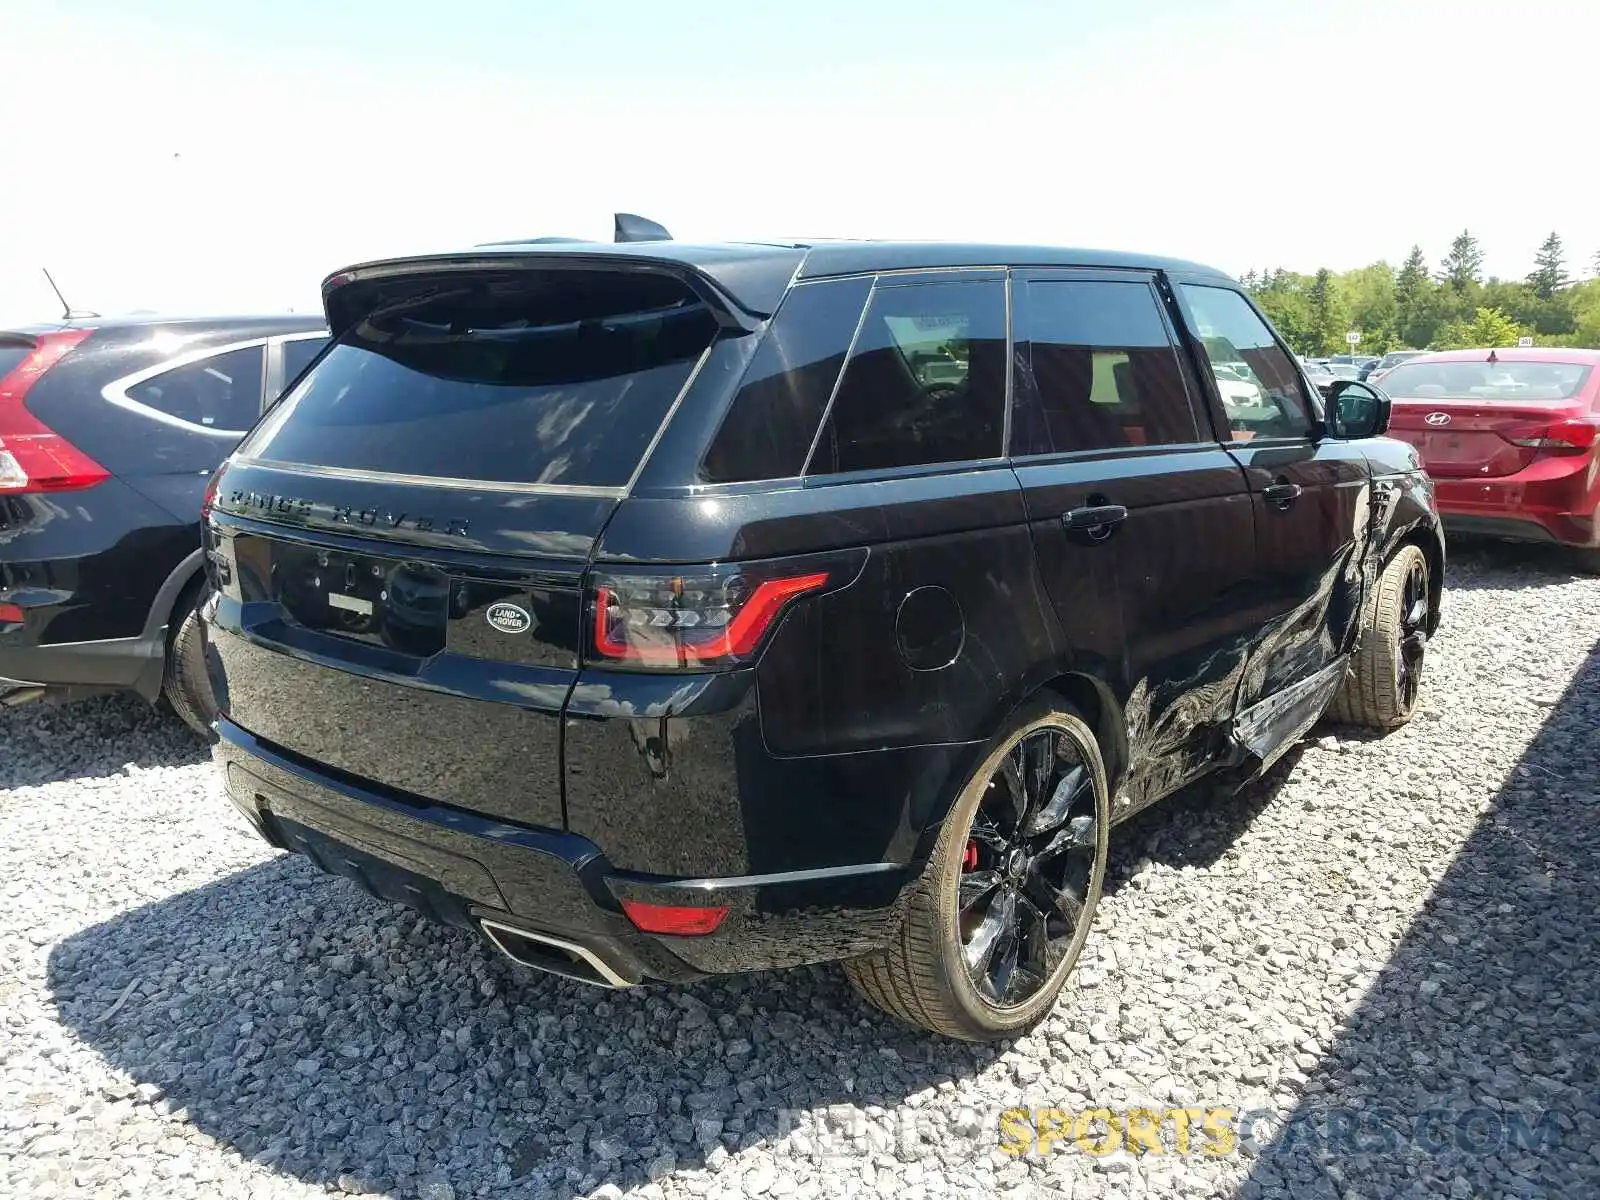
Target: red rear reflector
682, 920
10, 614
1579, 434
34, 457
689, 621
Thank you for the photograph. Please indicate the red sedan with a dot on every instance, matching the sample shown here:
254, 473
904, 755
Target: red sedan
1511, 438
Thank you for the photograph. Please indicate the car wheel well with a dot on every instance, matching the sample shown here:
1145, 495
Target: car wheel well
1432, 550
183, 600
1092, 700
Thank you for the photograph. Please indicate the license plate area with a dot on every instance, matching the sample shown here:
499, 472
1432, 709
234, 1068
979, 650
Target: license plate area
398, 604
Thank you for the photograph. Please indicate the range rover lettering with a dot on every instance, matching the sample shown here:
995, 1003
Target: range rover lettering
784, 603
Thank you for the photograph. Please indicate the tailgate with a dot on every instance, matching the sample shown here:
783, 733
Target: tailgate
434, 669
401, 545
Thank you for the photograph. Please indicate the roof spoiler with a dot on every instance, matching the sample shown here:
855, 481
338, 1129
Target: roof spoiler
351, 294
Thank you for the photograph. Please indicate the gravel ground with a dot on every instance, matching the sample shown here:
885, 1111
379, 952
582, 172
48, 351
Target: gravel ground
1385, 952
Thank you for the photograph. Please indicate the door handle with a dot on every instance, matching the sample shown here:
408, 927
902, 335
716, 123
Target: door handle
1097, 520
1282, 493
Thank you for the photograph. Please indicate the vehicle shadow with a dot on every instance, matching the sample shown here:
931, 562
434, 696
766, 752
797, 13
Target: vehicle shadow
322, 1032
1478, 563
45, 743
1470, 1068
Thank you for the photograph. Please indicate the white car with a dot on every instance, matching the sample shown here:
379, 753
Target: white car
1237, 390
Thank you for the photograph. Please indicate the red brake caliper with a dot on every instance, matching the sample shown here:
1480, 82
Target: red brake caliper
969, 860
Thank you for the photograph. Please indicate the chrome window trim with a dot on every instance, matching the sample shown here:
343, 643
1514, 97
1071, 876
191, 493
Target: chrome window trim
439, 481
116, 392
666, 419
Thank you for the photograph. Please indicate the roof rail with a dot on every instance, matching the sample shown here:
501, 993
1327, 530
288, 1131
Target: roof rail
631, 228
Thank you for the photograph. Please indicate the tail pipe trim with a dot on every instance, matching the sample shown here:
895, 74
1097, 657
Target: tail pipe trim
558, 956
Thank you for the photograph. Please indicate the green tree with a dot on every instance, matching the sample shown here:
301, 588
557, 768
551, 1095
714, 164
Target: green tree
1549, 268
1584, 300
1281, 295
1417, 315
1329, 322
1463, 266
1369, 298
1489, 328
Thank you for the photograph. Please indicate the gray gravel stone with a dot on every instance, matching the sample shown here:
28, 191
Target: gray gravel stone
1385, 927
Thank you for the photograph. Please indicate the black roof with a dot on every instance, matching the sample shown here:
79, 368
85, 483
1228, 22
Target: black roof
265, 326
852, 257
755, 275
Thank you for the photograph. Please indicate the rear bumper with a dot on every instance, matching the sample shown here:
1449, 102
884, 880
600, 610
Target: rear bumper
1551, 501
68, 670
469, 870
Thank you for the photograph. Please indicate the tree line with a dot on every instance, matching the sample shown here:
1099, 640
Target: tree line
1414, 308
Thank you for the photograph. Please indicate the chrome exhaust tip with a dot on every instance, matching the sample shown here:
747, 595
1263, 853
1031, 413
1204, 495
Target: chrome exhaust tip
553, 955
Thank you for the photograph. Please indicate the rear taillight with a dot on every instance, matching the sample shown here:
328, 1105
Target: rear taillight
708, 617
210, 498
34, 457
1574, 436
10, 614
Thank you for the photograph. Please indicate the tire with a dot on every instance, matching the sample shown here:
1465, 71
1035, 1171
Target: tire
923, 978
1385, 676
185, 686
1586, 561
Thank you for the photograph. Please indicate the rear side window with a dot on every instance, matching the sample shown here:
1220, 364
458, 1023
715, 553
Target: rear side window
297, 356
220, 392
11, 358
770, 427
926, 380
1257, 380
1105, 372
557, 377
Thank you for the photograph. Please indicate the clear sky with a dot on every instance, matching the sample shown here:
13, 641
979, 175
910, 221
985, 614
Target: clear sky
195, 155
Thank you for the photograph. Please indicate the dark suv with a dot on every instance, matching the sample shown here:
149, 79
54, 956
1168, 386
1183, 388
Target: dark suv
662, 610
109, 429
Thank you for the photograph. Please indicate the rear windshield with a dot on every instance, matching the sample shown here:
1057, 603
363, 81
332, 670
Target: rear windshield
562, 377
1486, 380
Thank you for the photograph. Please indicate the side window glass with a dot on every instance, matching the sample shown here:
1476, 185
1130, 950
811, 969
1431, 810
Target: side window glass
297, 356
926, 382
1261, 389
773, 421
220, 392
1105, 372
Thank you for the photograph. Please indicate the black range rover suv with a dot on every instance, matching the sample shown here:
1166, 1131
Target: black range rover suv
662, 610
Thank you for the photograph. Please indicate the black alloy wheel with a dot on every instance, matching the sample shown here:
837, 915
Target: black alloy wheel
997, 921
1412, 641
1028, 867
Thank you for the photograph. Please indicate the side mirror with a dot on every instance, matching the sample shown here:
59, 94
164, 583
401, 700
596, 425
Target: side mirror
1356, 410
